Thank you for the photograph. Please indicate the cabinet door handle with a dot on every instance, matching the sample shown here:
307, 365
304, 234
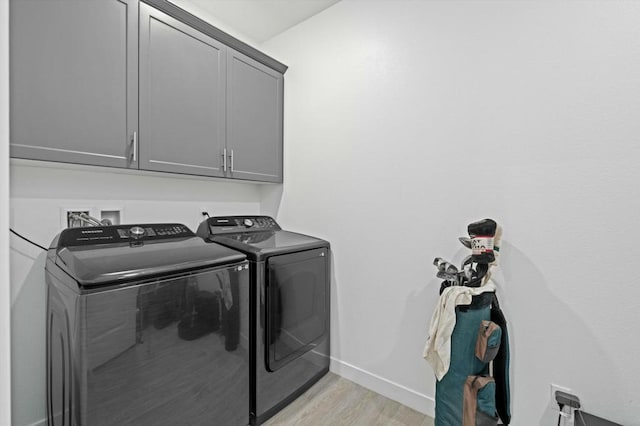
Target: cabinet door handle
224, 159
134, 147
231, 161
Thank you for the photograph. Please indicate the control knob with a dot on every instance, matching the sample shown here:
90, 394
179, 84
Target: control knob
136, 232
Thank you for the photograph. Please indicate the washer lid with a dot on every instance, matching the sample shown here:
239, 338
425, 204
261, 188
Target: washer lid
104, 255
260, 245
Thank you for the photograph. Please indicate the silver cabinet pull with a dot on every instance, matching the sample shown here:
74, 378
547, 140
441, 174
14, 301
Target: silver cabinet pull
224, 159
134, 147
231, 161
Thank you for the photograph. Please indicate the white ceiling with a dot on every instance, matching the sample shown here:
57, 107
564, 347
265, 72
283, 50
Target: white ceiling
262, 19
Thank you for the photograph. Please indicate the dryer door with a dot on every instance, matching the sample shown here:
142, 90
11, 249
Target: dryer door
297, 305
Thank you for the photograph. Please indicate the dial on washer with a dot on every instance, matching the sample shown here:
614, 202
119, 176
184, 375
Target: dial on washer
136, 232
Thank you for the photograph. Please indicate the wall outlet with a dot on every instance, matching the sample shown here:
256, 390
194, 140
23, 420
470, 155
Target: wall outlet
555, 388
201, 213
204, 209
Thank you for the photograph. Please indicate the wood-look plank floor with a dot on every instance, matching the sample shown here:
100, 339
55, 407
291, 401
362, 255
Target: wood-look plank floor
338, 401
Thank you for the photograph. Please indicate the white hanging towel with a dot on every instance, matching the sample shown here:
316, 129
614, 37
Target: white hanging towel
437, 350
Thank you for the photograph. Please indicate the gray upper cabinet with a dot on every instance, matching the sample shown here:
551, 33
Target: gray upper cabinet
74, 93
254, 119
143, 85
182, 97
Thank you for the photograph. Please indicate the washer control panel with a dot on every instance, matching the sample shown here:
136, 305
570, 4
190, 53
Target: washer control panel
71, 237
230, 224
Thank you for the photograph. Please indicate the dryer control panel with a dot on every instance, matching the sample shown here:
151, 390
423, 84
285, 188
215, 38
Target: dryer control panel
233, 224
73, 237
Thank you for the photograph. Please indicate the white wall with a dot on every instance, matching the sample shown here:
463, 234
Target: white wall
5, 340
407, 120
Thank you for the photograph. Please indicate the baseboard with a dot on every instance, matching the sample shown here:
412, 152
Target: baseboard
42, 422
392, 390
402, 394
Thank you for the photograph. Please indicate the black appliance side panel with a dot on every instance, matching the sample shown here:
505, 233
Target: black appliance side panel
60, 384
278, 386
297, 308
166, 352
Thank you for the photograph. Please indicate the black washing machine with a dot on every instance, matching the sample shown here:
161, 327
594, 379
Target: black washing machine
289, 293
146, 325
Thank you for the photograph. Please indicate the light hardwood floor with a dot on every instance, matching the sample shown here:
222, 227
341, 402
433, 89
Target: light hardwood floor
338, 401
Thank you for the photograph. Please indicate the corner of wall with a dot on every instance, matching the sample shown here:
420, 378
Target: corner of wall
270, 199
193, 9
5, 337
392, 390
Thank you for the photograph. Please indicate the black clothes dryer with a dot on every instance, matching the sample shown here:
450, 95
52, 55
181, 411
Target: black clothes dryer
146, 325
289, 291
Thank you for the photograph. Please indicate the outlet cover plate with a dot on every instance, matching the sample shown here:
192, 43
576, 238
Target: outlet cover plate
555, 388
115, 215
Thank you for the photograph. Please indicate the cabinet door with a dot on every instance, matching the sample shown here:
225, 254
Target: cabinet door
74, 93
254, 119
182, 97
